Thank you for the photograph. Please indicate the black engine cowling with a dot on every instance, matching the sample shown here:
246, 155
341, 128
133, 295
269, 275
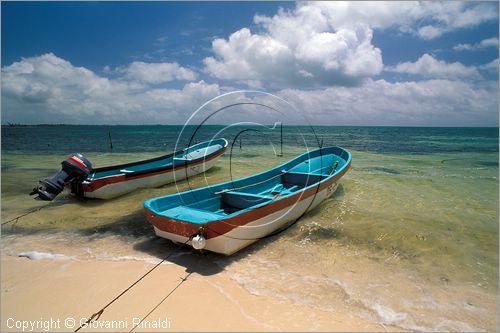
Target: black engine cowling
75, 168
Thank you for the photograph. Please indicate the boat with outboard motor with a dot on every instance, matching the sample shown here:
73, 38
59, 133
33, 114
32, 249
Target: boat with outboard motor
227, 217
111, 181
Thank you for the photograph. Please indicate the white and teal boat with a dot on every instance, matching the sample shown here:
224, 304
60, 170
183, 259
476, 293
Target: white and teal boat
109, 182
225, 218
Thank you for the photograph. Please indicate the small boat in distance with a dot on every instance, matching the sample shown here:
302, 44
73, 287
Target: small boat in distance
227, 217
111, 181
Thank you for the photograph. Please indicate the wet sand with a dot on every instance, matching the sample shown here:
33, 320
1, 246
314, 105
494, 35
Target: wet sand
70, 291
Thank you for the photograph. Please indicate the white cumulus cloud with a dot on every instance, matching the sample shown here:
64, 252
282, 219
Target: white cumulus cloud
425, 19
49, 89
448, 16
157, 72
429, 67
379, 102
298, 48
485, 43
491, 67
331, 43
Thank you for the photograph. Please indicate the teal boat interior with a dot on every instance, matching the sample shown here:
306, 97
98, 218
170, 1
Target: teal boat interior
186, 156
225, 200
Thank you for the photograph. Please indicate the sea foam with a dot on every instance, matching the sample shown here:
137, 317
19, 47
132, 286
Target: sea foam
35, 255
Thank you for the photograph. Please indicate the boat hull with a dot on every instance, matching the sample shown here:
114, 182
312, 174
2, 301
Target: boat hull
227, 236
112, 190
112, 181
243, 236
227, 217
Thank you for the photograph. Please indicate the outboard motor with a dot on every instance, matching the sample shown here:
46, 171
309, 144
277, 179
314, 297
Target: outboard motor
76, 167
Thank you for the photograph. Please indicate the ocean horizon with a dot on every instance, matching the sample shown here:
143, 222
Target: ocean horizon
132, 137
265, 124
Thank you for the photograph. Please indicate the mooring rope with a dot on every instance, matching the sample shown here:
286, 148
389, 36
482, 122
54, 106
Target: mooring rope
98, 314
23, 215
184, 279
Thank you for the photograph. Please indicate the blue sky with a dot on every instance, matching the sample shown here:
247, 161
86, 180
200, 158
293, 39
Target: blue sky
372, 63
99, 34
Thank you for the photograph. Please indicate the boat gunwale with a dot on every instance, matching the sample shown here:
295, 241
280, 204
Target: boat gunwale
159, 158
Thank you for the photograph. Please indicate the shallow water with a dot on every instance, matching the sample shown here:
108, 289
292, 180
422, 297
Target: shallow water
410, 238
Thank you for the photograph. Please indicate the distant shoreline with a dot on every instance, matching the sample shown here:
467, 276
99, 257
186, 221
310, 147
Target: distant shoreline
177, 125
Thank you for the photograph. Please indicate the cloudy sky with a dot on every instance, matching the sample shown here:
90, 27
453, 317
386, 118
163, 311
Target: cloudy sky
340, 63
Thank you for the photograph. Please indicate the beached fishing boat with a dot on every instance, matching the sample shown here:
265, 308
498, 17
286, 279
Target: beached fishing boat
109, 182
225, 218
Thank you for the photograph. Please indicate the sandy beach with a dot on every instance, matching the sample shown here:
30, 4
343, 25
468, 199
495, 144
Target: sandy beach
59, 295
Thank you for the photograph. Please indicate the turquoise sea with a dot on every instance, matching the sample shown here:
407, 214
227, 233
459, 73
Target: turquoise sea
410, 238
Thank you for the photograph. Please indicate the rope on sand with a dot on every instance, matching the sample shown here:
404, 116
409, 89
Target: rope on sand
184, 279
98, 314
